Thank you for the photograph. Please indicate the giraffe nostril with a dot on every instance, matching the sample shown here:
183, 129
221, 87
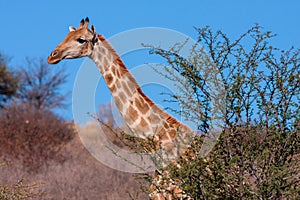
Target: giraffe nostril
54, 53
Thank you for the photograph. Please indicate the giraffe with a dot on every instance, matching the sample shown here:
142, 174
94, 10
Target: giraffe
141, 114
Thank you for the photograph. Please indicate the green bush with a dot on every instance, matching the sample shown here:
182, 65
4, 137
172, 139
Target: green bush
257, 153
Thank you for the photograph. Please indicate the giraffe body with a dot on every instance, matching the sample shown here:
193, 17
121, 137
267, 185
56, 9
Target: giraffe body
143, 117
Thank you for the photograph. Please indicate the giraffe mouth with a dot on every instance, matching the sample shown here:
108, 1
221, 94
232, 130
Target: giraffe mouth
54, 57
51, 61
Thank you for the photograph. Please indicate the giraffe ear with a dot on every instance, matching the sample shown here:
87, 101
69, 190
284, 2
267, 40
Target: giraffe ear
72, 28
93, 29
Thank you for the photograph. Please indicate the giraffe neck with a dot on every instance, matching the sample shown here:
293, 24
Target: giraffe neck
132, 103
142, 116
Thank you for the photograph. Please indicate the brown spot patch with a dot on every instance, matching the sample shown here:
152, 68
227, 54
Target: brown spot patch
112, 88
162, 134
113, 69
109, 79
121, 65
133, 114
118, 74
141, 106
172, 133
143, 122
166, 125
146, 98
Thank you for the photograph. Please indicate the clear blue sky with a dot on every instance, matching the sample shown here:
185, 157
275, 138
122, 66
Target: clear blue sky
33, 28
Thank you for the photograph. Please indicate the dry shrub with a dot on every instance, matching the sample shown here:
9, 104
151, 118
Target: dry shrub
41, 148
84, 177
81, 176
32, 136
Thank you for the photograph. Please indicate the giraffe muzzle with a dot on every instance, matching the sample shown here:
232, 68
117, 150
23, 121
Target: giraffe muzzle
54, 57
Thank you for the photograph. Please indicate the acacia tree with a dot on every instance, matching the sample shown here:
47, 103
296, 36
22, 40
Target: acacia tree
257, 154
40, 85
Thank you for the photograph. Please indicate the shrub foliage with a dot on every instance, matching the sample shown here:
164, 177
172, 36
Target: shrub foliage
257, 154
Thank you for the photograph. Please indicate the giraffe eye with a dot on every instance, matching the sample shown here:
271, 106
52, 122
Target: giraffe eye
81, 41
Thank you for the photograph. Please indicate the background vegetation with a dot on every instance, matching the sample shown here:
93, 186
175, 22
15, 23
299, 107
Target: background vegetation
41, 155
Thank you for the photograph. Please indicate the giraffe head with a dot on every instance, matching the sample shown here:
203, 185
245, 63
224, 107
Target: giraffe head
78, 43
